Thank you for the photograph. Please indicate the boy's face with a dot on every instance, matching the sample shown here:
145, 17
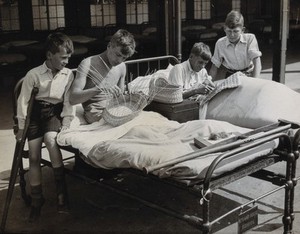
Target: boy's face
233, 34
58, 60
115, 55
197, 63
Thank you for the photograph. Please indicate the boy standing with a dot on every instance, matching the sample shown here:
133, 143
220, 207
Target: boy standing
51, 112
191, 74
237, 51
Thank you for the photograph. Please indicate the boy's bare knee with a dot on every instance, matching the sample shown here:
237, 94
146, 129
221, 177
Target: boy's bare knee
50, 138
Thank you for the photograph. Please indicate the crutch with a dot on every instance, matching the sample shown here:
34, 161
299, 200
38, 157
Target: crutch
17, 160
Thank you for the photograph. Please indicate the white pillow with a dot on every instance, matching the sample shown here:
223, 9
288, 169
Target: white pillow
255, 103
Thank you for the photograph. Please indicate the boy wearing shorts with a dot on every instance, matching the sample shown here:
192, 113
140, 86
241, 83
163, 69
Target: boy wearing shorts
51, 112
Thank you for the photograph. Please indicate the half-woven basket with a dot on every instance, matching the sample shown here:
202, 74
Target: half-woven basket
165, 92
124, 108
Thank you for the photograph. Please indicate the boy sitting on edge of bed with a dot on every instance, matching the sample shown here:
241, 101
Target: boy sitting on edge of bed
51, 112
102, 76
237, 51
191, 74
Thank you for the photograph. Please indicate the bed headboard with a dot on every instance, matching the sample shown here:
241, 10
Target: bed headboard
146, 66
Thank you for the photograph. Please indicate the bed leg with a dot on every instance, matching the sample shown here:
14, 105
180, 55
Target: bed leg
294, 181
205, 201
288, 217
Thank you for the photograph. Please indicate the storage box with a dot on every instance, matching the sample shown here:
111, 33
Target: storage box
181, 112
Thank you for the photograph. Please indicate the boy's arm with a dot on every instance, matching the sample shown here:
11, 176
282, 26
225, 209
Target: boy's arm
191, 92
23, 100
213, 72
257, 67
22, 104
121, 83
77, 92
68, 112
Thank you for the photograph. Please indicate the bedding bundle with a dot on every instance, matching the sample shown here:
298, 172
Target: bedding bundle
254, 103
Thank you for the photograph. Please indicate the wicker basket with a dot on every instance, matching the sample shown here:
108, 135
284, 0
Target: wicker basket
124, 108
162, 91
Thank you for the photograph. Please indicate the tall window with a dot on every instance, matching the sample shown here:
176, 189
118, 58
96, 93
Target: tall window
9, 16
202, 9
103, 12
48, 14
136, 11
236, 5
183, 9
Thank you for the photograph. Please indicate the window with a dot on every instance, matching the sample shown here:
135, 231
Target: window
9, 15
136, 11
103, 12
48, 14
202, 9
183, 9
236, 5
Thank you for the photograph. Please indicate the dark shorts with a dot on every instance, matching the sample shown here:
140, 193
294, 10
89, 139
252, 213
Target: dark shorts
45, 117
247, 71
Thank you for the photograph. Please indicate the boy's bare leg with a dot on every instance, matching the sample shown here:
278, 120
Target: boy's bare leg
35, 178
58, 170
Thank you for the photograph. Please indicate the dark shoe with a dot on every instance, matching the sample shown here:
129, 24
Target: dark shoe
35, 211
63, 204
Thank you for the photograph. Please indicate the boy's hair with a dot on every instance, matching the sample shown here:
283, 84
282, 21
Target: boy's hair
234, 19
56, 40
125, 40
202, 50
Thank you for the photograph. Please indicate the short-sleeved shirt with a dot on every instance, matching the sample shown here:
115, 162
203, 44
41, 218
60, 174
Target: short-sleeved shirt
238, 56
182, 74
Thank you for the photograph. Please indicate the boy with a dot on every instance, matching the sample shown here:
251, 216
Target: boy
51, 112
101, 76
237, 51
191, 74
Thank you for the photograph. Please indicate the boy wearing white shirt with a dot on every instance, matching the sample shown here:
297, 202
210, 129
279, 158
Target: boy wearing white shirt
51, 112
237, 51
191, 74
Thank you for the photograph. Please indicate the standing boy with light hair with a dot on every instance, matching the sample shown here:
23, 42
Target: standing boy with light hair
237, 51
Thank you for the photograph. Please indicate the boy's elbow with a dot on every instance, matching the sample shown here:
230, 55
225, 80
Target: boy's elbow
72, 99
72, 102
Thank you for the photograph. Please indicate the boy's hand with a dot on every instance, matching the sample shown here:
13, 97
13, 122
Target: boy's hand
209, 84
115, 90
64, 128
201, 90
204, 89
19, 135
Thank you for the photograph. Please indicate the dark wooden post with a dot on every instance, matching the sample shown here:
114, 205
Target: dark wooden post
279, 36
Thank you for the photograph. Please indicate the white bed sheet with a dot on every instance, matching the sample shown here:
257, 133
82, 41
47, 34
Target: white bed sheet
150, 139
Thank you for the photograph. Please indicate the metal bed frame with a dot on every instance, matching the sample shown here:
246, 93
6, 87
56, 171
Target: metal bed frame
287, 151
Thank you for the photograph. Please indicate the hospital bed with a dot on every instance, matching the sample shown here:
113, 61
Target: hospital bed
172, 157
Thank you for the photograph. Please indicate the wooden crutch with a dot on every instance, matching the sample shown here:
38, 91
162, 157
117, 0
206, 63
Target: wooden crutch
17, 161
